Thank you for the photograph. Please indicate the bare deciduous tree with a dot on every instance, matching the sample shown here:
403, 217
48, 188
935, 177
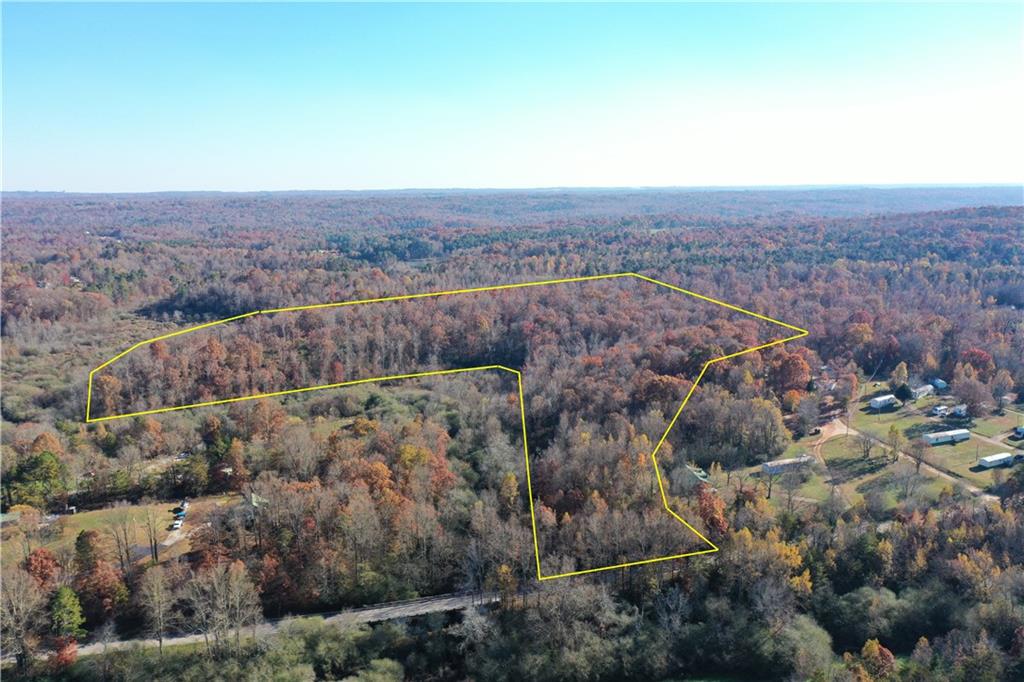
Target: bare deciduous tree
864, 444
21, 608
122, 528
919, 453
152, 524
222, 599
157, 600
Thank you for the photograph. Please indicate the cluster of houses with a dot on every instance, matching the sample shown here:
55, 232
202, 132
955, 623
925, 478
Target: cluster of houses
889, 400
959, 435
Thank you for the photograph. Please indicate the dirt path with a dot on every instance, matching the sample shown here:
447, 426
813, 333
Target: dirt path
996, 440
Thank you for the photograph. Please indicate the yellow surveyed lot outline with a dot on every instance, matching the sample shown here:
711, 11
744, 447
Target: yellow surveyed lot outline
711, 547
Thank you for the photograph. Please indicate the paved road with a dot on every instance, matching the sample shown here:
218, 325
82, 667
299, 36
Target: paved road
370, 614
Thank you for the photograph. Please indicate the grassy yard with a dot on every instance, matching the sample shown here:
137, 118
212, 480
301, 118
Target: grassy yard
996, 424
961, 459
857, 477
800, 446
906, 419
66, 528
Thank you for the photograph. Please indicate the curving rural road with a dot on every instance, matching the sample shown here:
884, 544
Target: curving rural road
369, 614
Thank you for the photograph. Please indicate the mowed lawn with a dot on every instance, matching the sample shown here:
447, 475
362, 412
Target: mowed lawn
907, 419
857, 477
959, 459
962, 458
996, 424
66, 528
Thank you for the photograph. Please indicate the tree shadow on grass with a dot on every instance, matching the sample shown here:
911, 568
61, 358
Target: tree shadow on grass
918, 430
848, 468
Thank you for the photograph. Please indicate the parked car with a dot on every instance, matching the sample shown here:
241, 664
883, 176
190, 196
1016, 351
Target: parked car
940, 411
177, 524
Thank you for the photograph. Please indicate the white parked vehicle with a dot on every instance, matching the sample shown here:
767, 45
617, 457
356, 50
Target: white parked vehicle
176, 525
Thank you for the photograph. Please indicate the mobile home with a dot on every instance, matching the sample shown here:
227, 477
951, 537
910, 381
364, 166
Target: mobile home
922, 391
882, 401
993, 461
954, 436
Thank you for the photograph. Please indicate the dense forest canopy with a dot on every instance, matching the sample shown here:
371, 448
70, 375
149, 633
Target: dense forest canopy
879, 560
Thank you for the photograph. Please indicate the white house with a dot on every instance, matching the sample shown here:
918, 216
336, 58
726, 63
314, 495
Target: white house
993, 461
954, 436
883, 401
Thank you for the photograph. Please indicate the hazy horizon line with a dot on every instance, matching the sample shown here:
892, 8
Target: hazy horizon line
554, 188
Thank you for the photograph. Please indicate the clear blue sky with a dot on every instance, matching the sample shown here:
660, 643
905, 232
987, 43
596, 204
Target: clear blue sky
261, 97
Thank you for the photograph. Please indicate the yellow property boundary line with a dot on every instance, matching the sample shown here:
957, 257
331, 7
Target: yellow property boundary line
519, 381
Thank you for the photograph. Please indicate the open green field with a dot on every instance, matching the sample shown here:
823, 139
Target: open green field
962, 458
907, 419
70, 525
857, 477
66, 528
